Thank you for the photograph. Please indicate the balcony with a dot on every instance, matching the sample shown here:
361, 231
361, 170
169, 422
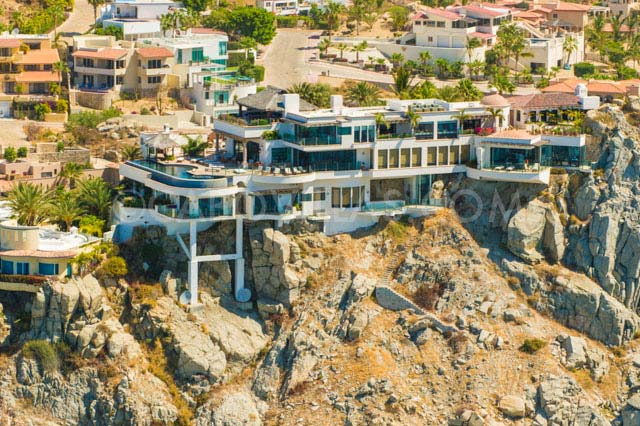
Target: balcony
540, 175
383, 206
163, 70
233, 125
99, 70
312, 141
173, 211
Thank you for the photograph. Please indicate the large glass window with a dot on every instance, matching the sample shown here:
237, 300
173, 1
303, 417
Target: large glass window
416, 157
7, 267
424, 131
453, 155
443, 157
48, 268
321, 135
394, 160
222, 47
447, 129
197, 54
563, 156
432, 154
383, 155
405, 157
513, 157
281, 155
347, 197
465, 156
335, 197
326, 160
364, 133
22, 268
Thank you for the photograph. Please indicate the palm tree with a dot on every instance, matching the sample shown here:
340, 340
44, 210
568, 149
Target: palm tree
29, 203
476, 67
569, 45
94, 195
65, 209
174, 21
341, 47
461, 117
62, 67
424, 59
130, 152
195, 146
472, 44
70, 173
444, 68
496, 116
381, 121
397, 59
332, 13
248, 43
324, 45
96, 4
402, 81
318, 94
360, 47
363, 94
413, 117
468, 91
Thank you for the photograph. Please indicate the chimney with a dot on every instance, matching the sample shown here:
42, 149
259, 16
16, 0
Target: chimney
336, 104
291, 103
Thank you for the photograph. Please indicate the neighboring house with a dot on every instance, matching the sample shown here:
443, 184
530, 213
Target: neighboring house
280, 158
216, 92
623, 7
34, 250
606, 90
26, 70
137, 19
280, 7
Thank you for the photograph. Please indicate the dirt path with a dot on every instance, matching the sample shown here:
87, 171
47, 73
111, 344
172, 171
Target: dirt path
80, 20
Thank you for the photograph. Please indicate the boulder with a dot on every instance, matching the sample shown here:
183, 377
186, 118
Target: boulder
586, 199
236, 409
526, 229
562, 401
631, 411
512, 406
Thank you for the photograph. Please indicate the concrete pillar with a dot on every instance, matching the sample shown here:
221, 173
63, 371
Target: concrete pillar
239, 275
193, 207
239, 237
245, 162
193, 263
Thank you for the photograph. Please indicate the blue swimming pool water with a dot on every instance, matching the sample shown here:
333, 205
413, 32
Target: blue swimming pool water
177, 170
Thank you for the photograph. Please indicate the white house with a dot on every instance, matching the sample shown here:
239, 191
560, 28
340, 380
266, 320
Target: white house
137, 19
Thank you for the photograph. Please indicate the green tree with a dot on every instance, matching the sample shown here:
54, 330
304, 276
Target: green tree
318, 94
359, 48
358, 11
10, 154
22, 152
29, 203
70, 173
324, 45
399, 17
96, 4
333, 14
62, 68
94, 195
444, 68
65, 210
569, 45
195, 146
496, 116
195, 5
468, 91
381, 121
362, 94
341, 47
471, 45
257, 23
413, 118
248, 43
130, 152
402, 81
424, 58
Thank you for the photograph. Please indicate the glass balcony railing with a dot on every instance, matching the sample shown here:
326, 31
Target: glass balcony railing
314, 140
374, 206
173, 211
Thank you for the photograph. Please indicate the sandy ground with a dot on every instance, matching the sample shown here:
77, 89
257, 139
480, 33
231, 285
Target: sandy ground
79, 21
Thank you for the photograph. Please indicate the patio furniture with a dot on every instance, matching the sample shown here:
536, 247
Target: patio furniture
510, 168
259, 169
536, 167
287, 171
499, 168
276, 170
267, 170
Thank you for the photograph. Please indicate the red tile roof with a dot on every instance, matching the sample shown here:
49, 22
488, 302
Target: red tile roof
108, 53
572, 7
154, 52
604, 87
206, 31
484, 10
544, 100
441, 13
10, 42
38, 77
39, 56
527, 14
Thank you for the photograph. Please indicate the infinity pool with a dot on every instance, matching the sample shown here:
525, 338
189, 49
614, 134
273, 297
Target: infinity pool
177, 170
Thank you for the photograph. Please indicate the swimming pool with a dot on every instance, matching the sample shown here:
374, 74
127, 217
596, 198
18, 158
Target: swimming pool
178, 175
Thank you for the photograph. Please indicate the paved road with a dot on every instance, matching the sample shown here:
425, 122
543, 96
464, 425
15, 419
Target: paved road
80, 20
291, 56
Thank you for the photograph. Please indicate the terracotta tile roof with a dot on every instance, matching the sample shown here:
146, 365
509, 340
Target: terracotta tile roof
513, 134
542, 9
207, 31
108, 53
154, 52
39, 56
38, 77
572, 7
594, 86
606, 87
39, 253
441, 13
544, 100
527, 14
495, 100
484, 10
10, 42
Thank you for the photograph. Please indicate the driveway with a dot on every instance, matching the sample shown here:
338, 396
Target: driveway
291, 59
80, 20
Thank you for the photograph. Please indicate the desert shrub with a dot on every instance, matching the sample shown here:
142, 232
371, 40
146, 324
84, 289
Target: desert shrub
40, 110
91, 225
22, 152
396, 230
531, 346
458, 342
145, 111
10, 154
114, 267
582, 69
427, 296
62, 105
43, 352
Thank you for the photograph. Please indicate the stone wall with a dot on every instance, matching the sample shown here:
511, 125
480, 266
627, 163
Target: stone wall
391, 300
93, 100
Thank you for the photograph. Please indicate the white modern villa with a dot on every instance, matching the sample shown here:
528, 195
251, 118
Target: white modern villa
279, 158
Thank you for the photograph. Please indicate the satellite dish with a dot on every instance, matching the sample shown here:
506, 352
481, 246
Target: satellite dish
243, 295
185, 297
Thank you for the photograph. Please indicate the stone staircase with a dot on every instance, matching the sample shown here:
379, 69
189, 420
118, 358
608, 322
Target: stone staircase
390, 299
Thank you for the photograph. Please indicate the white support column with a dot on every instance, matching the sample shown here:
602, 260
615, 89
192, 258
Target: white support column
193, 263
239, 273
240, 292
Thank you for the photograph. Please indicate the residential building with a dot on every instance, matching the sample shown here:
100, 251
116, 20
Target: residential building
137, 19
38, 251
215, 92
606, 90
26, 68
623, 7
280, 158
550, 107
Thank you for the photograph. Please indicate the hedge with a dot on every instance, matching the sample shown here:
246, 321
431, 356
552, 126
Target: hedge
583, 68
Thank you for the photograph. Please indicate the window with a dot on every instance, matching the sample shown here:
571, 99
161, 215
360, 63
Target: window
447, 129
197, 55
48, 268
7, 267
319, 194
453, 155
364, 133
335, 198
430, 39
382, 159
432, 153
22, 268
86, 62
222, 48
393, 158
206, 95
347, 197
154, 79
119, 79
465, 154
440, 24
424, 131
430, 23
416, 157
443, 156
154, 64
179, 56
405, 157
